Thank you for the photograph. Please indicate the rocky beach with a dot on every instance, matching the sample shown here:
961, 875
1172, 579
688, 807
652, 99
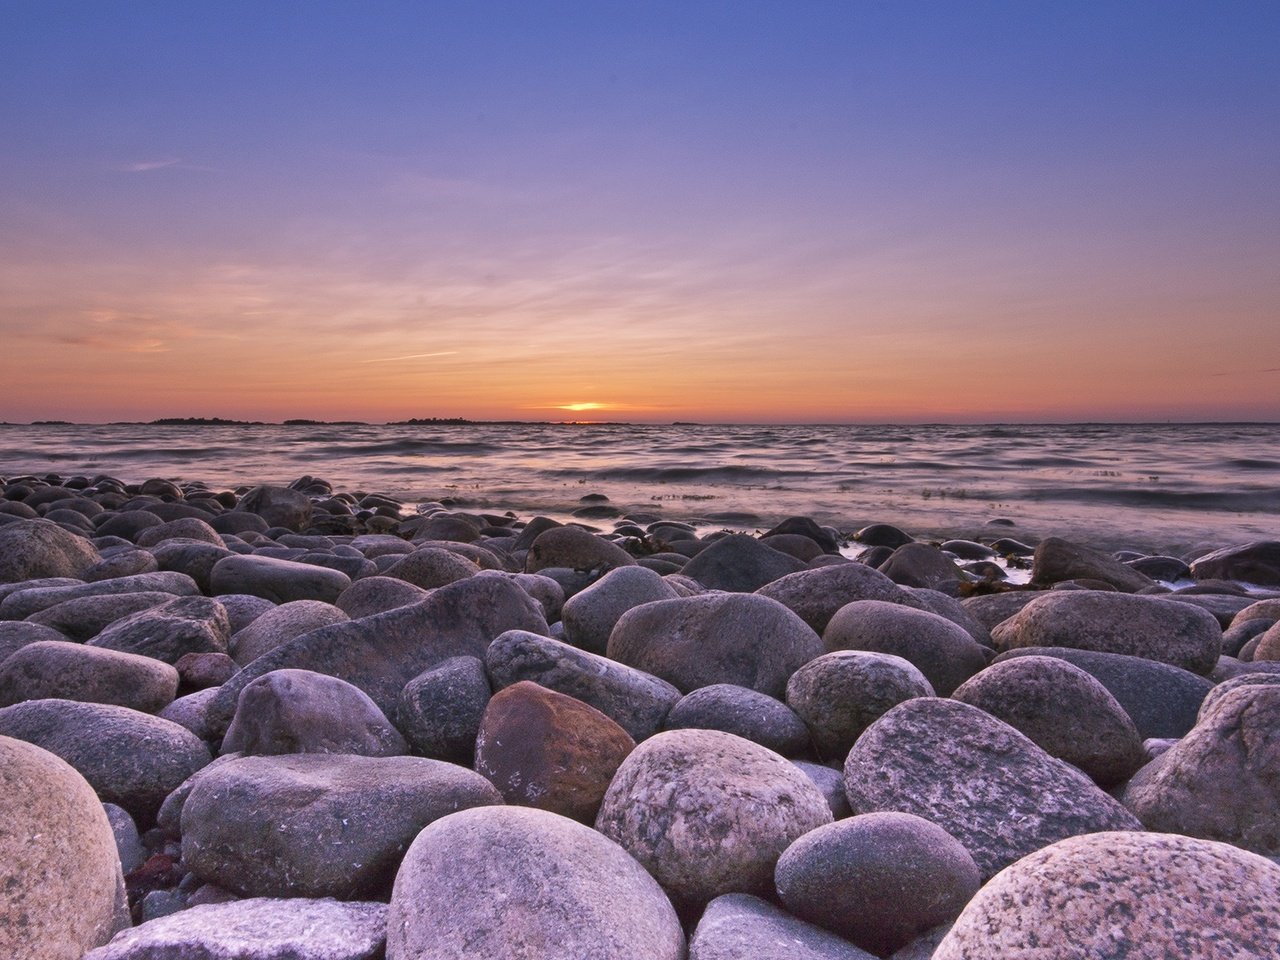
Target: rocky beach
327, 722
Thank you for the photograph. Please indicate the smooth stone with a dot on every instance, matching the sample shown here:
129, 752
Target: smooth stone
439, 711
259, 928
298, 711
590, 615
447, 527
1064, 711
548, 593
796, 545
708, 813
131, 759
499, 883
1237, 635
122, 563
370, 595
994, 608
883, 535
922, 565
63, 889
33, 549
740, 564
192, 711
235, 523
840, 694
879, 880
976, 777
196, 671
127, 523
745, 713
243, 609
941, 650
576, 549
73, 671
317, 825
16, 634
277, 506
85, 618
431, 567
738, 926
1178, 897
23, 603
1257, 562
381, 653
1162, 700
693, 642
1268, 644
815, 595
1215, 695
280, 624
637, 701
194, 558
547, 750
1140, 626
279, 581
184, 528
170, 630
1058, 560
949, 608
1268, 609
1222, 780
1223, 607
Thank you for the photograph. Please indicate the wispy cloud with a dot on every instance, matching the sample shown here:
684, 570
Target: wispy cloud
412, 356
162, 163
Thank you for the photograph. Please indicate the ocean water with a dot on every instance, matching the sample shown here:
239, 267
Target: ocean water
1174, 488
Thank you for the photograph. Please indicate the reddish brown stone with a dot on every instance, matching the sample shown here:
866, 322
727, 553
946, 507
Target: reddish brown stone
547, 750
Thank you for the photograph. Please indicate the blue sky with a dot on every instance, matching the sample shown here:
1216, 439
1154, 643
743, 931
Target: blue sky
794, 211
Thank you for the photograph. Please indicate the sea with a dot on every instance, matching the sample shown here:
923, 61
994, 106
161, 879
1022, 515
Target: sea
1173, 488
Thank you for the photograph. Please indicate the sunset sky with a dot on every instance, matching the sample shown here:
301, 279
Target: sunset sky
816, 210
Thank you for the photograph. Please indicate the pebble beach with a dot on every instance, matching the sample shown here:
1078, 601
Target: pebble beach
309, 720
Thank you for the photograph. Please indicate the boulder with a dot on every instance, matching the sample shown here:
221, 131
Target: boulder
738, 926
879, 880
260, 928
31, 549
1257, 562
317, 825
816, 595
381, 653
298, 711
840, 694
708, 813
576, 549
1057, 560
277, 506
546, 750
590, 615
740, 564
976, 777
84, 618
940, 649
195, 558
1139, 626
431, 567
23, 603
922, 565
1222, 780
1242, 680
1064, 711
279, 581
497, 883
73, 671
693, 642
1268, 645
131, 759
63, 888
439, 711
184, 528
370, 595
993, 608
170, 630
746, 713
280, 624
1179, 897
637, 701
16, 634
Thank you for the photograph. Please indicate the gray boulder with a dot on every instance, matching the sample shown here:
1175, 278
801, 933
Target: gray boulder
16, 634
431, 567
84, 618
637, 701
277, 506
922, 565
299, 711
740, 564
1179, 897
693, 642
370, 595
745, 713
1057, 560
170, 630
439, 711
317, 825
1257, 562
23, 603
979, 779
496, 883
590, 615
73, 671
280, 624
738, 926
31, 549
576, 549
816, 595
708, 813
279, 581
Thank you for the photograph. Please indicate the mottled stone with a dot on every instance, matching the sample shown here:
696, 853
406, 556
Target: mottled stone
73, 671
279, 581
816, 595
280, 624
30, 549
738, 926
576, 549
745, 713
439, 711
590, 615
170, 630
1057, 560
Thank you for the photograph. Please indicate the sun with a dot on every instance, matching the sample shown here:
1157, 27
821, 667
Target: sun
581, 407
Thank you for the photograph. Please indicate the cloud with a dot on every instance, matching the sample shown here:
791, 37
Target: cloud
164, 163
412, 356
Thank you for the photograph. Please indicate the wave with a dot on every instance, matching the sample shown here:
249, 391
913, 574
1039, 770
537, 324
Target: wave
409, 447
723, 474
1249, 463
1240, 501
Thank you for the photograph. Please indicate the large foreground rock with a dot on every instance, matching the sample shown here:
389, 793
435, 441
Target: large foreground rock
257, 929
499, 883
131, 759
32, 549
693, 642
317, 825
1138, 626
1222, 780
738, 926
976, 777
59, 870
1178, 897
709, 813
380, 654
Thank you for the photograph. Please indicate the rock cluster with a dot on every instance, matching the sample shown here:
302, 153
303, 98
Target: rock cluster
293, 721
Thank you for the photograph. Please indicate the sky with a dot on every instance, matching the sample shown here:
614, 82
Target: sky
803, 211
